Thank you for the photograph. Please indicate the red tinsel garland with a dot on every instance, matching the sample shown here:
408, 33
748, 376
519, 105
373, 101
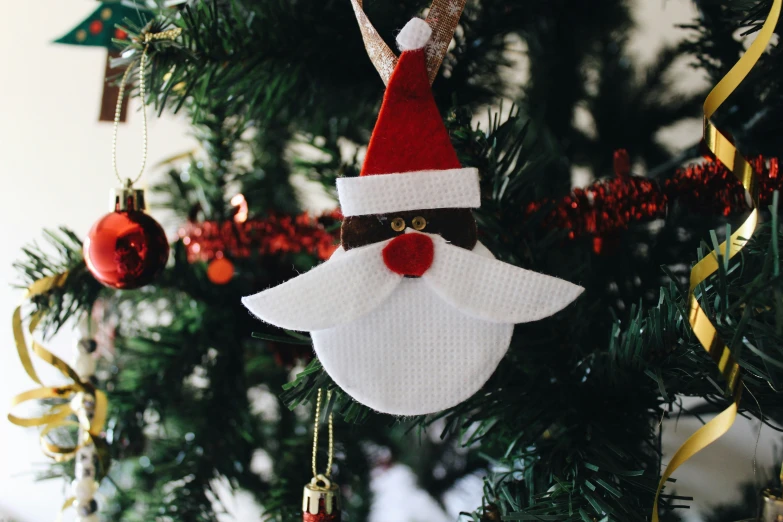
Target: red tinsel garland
598, 211
606, 205
273, 234
609, 206
711, 187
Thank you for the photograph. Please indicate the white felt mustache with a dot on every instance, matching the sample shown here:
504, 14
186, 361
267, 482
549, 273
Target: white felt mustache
355, 282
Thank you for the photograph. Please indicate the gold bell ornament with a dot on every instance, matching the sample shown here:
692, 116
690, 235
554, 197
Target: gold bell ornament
321, 499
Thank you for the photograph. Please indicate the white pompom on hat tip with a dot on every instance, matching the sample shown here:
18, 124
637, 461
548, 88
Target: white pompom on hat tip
414, 35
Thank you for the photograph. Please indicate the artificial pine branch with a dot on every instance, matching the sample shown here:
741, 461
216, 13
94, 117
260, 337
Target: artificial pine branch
80, 289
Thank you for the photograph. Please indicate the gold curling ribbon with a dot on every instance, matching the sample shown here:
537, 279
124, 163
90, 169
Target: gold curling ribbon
725, 151
67, 504
58, 416
443, 18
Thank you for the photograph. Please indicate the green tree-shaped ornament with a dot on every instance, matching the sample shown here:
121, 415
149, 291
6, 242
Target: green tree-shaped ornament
101, 29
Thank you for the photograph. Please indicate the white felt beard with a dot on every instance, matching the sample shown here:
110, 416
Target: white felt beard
412, 346
414, 353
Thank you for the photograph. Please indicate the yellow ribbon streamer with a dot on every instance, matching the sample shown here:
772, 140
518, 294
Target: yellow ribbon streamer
725, 151
443, 18
57, 416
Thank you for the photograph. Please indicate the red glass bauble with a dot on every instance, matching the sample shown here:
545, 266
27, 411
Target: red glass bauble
321, 517
126, 249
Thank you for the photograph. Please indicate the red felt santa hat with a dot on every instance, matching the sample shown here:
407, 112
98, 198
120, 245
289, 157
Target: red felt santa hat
410, 162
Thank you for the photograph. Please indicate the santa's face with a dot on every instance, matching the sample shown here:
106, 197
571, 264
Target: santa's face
411, 345
406, 254
456, 225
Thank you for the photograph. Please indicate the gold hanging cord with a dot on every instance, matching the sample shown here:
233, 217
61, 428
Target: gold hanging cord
330, 453
170, 34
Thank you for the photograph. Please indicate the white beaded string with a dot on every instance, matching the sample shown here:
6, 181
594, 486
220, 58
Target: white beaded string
85, 485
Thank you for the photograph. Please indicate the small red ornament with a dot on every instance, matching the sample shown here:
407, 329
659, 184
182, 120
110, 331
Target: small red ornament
96, 26
126, 248
220, 271
321, 501
119, 34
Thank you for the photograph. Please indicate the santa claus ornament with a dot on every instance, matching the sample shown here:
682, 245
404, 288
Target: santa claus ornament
425, 311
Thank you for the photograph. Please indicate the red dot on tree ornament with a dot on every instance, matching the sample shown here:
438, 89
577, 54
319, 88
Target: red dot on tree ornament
119, 34
220, 271
96, 26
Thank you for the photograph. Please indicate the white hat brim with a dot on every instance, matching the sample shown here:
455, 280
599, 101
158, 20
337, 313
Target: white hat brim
424, 189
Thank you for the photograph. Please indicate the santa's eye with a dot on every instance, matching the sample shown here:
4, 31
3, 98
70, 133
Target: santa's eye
398, 224
419, 223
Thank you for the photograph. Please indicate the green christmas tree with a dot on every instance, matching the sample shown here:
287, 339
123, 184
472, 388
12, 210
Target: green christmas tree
568, 427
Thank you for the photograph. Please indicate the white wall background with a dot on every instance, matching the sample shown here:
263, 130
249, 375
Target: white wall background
55, 166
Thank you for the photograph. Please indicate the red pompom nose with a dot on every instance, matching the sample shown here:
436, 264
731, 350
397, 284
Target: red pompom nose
409, 254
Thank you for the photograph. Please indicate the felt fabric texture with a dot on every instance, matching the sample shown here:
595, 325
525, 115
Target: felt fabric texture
412, 346
414, 354
302, 303
409, 254
495, 291
472, 282
409, 134
456, 225
384, 193
414, 35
